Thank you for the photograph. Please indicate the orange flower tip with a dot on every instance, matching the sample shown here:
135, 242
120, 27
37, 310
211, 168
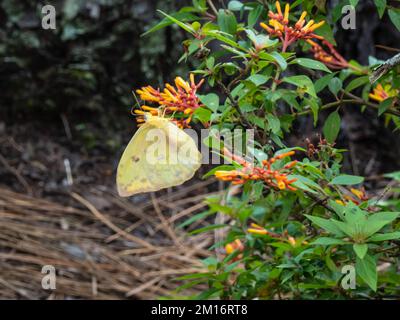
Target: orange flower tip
286, 16
147, 108
358, 193
182, 84
312, 43
340, 202
237, 182
139, 111
278, 8
281, 185
303, 15
257, 231
308, 25
187, 111
229, 248
317, 25
284, 155
191, 77
292, 241
223, 174
256, 226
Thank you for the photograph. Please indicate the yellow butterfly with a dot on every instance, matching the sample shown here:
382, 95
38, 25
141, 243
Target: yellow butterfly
160, 155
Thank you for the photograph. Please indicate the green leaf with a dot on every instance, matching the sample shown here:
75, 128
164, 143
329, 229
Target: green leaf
261, 41
312, 64
381, 6
335, 85
258, 79
203, 114
305, 181
181, 16
366, 270
346, 179
326, 241
377, 221
360, 249
354, 3
280, 60
384, 105
321, 83
183, 25
227, 22
274, 57
235, 5
326, 224
393, 175
394, 15
302, 82
210, 100
220, 36
195, 218
345, 228
254, 15
385, 236
208, 228
332, 127
355, 83
273, 123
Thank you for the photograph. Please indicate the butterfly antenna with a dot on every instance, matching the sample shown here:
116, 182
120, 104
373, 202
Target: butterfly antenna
136, 104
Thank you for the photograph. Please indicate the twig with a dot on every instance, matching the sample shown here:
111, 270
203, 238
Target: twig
384, 68
212, 6
16, 174
108, 223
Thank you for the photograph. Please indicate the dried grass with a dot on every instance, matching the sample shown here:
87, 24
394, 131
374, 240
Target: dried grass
102, 246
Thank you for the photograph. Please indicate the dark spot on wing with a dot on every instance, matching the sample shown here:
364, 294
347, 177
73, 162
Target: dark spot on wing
135, 159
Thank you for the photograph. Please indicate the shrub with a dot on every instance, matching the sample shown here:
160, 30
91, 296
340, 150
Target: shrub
298, 227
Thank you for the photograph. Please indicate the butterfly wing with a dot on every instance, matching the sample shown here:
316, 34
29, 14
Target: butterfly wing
160, 155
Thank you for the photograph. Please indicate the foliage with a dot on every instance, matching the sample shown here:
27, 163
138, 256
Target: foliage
295, 223
90, 62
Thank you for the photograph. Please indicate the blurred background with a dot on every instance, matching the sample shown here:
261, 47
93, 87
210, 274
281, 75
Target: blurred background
65, 118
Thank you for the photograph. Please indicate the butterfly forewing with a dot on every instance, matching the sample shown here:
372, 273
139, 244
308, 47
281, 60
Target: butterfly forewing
160, 155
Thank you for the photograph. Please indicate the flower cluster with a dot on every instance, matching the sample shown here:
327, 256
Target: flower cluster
381, 93
279, 26
276, 179
330, 57
360, 196
180, 101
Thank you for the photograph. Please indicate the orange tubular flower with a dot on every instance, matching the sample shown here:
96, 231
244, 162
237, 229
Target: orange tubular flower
381, 93
276, 179
360, 196
233, 246
256, 229
180, 100
331, 59
279, 27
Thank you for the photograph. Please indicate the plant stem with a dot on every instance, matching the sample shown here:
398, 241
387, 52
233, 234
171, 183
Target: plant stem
370, 104
212, 6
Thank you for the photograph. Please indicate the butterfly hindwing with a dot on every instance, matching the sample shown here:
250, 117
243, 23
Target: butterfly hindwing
160, 155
